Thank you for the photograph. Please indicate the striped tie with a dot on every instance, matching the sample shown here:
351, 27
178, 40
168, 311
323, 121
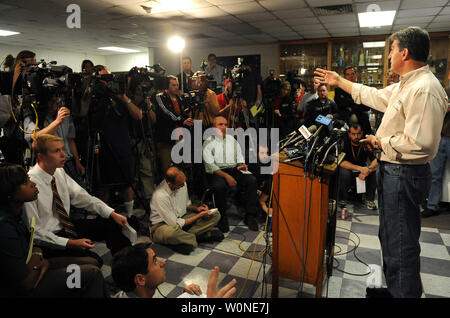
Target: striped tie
59, 209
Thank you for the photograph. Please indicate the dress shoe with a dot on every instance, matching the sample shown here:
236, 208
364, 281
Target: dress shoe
251, 222
184, 249
426, 213
223, 226
378, 293
213, 235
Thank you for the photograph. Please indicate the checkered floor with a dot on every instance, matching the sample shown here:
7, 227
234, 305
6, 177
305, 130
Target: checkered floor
240, 256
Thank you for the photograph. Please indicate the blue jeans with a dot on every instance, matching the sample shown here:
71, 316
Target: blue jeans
437, 171
401, 188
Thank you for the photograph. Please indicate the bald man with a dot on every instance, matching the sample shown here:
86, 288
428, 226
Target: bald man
175, 221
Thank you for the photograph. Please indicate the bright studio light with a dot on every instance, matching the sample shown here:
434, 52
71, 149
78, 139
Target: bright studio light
176, 44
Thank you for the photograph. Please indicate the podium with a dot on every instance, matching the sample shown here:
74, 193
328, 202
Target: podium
304, 224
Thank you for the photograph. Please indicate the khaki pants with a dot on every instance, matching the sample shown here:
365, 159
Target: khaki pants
174, 235
142, 163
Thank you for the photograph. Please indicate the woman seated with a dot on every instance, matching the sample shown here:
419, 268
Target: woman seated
21, 276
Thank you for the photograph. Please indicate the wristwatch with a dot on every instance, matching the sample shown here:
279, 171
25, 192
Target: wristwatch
39, 254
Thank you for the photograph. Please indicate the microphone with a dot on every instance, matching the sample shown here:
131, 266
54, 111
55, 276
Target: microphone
311, 130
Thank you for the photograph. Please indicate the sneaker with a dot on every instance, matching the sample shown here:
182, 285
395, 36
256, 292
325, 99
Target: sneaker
251, 222
426, 213
378, 293
184, 249
371, 205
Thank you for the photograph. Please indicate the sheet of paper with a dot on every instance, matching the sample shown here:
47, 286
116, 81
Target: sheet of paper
130, 233
30, 248
360, 185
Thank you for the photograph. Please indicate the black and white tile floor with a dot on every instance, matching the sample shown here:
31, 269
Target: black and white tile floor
240, 255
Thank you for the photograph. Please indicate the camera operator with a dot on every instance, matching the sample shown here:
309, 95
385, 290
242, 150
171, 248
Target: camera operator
141, 139
216, 71
171, 112
12, 144
58, 121
347, 106
284, 115
111, 112
251, 86
225, 99
320, 106
187, 72
209, 105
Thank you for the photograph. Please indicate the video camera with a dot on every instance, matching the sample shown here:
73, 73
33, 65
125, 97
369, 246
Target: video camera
41, 80
272, 86
237, 75
150, 78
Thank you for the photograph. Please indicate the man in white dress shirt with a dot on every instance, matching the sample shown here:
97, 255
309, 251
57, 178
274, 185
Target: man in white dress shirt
175, 221
226, 167
55, 231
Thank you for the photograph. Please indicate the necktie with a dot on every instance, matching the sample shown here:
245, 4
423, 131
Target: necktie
59, 209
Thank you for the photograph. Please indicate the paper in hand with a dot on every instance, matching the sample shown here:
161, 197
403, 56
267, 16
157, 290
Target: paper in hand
360, 185
130, 233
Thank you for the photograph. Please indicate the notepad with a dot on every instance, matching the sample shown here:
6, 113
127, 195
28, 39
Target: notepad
130, 233
360, 185
212, 211
254, 110
30, 248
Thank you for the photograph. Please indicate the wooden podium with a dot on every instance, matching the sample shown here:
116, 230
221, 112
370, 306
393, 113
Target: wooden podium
302, 236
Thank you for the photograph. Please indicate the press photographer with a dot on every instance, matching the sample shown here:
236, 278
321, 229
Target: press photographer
145, 169
202, 100
13, 144
171, 112
110, 115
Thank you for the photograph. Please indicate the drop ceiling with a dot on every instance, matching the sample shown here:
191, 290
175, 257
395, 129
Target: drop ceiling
204, 23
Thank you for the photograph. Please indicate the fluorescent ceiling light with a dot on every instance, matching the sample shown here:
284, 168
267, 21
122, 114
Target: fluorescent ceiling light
117, 49
373, 64
374, 44
8, 33
376, 57
376, 18
168, 5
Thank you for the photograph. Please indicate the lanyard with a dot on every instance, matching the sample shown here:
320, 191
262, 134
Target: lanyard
353, 151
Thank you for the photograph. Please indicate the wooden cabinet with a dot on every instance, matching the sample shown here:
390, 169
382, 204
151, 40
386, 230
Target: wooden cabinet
369, 54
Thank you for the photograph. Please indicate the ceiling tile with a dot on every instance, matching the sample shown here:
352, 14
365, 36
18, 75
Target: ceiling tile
302, 21
440, 25
414, 21
320, 3
418, 12
267, 24
445, 11
241, 28
418, 4
441, 18
398, 27
255, 17
309, 28
210, 12
282, 4
225, 2
294, 14
348, 17
243, 8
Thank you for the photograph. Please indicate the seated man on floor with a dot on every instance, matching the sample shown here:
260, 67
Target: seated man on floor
138, 272
55, 231
223, 160
175, 221
358, 162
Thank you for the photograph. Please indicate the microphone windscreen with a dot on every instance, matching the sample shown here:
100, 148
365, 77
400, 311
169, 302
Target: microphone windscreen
312, 128
329, 116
